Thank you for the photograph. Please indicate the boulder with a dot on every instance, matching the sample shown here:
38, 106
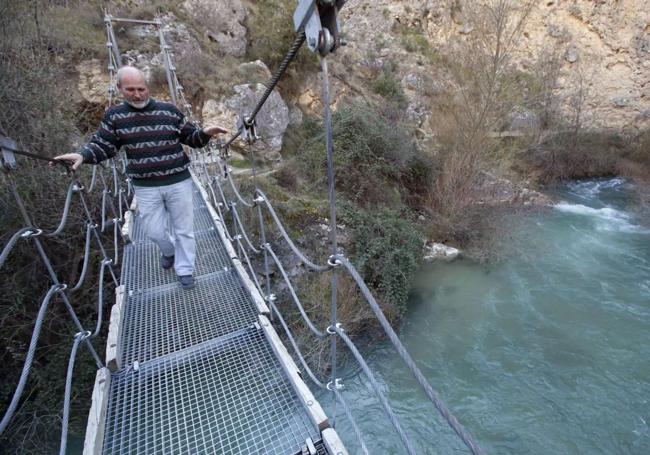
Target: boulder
272, 120
439, 251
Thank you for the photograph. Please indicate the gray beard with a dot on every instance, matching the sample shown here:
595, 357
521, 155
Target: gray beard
138, 105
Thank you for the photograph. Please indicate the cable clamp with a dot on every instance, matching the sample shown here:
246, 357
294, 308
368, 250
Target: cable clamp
93, 225
78, 187
106, 261
270, 298
333, 330
83, 335
338, 384
237, 237
33, 232
258, 200
247, 128
333, 262
60, 287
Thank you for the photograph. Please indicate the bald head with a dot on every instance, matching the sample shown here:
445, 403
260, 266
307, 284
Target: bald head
133, 86
128, 74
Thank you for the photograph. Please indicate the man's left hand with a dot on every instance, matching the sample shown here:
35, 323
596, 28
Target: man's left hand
214, 130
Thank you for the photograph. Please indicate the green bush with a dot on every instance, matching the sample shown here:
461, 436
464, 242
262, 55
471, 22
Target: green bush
386, 249
375, 158
387, 86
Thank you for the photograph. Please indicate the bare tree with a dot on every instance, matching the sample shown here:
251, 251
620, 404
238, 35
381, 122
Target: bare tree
480, 70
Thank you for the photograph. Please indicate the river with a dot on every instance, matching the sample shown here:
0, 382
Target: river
546, 351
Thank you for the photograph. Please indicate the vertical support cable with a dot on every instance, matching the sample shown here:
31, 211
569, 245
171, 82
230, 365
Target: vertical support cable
332, 202
165, 50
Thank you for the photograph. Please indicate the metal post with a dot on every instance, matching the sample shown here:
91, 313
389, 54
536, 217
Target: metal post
111, 36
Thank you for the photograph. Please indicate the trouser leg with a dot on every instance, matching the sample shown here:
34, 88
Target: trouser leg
154, 217
178, 200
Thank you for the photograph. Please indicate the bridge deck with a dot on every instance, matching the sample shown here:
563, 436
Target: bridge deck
198, 372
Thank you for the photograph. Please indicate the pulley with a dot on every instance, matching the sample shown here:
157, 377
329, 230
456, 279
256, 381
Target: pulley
319, 20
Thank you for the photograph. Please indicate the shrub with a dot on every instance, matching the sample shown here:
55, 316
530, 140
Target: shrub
375, 157
387, 86
386, 249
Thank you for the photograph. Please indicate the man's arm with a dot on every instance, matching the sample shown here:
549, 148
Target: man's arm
102, 146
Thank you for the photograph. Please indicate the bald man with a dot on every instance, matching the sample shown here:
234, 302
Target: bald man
151, 133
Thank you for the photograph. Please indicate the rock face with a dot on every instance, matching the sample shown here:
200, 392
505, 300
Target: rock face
272, 120
223, 21
493, 190
93, 81
603, 46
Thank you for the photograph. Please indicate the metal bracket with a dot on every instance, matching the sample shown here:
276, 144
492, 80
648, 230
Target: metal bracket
319, 19
247, 129
8, 158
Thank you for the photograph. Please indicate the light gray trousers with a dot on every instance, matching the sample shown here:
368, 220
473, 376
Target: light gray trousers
160, 205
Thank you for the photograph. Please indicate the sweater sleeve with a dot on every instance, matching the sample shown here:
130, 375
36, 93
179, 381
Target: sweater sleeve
103, 144
192, 135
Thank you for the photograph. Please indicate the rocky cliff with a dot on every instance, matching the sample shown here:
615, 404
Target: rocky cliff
603, 50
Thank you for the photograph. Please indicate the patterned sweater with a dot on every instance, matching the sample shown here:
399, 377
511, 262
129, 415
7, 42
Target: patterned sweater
151, 137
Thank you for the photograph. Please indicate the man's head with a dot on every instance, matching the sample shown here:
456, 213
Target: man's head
133, 86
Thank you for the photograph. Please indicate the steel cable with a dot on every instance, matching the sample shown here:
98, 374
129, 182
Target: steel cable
30, 356
353, 422
296, 300
78, 338
236, 191
375, 386
305, 260
12, 242
84, 268
233, 210
291, 54
66, 211
458, 428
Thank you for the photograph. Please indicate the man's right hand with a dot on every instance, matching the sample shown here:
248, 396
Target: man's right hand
74, 158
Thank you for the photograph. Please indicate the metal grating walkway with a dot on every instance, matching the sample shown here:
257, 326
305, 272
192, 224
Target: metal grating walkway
160, 322
198, 373
228, 396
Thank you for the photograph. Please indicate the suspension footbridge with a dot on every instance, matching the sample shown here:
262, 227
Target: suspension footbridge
205, 370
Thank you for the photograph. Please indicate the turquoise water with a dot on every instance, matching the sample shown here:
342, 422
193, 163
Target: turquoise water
545, 352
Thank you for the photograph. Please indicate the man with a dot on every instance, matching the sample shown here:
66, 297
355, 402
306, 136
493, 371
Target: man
151, 133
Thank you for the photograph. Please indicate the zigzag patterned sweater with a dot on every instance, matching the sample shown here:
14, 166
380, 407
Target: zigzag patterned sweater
151, 137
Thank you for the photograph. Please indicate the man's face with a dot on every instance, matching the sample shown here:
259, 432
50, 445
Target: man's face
134, 90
